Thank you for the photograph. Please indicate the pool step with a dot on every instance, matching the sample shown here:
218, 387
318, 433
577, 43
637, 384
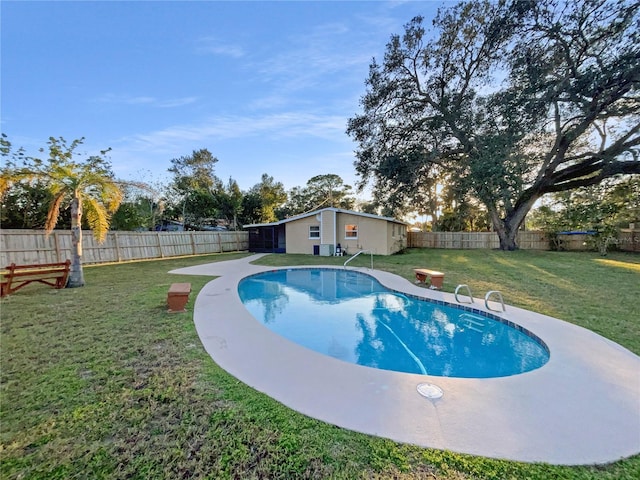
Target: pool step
473, 322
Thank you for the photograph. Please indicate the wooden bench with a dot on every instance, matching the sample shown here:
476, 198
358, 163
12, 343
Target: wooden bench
435, 278
14, 277
178, 297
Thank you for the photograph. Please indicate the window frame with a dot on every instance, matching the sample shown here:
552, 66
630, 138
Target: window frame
311, 237
347, 231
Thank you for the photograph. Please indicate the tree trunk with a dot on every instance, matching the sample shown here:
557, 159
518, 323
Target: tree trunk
507, 229
76, 275
507, 237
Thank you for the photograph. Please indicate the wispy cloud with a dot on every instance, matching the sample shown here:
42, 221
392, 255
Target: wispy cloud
282, 125
176, 102
241, 143
145, 100
313, 57
214, 46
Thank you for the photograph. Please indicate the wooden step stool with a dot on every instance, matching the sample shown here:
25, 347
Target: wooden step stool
178, 297
436, 278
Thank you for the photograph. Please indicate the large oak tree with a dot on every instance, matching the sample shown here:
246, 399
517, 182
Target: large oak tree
508, 100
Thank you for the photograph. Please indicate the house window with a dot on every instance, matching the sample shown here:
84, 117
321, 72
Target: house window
350, 231
314, 231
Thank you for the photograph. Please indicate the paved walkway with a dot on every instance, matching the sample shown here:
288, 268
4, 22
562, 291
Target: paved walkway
582, 407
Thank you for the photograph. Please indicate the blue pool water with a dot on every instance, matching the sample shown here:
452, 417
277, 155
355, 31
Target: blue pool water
351, 316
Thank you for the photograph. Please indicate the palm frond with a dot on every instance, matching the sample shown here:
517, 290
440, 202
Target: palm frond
92, 181
112, 196
8, 177
97, 217
5, 184
54, 212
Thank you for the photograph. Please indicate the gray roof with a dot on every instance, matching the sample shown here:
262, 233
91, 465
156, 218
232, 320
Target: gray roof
315, 212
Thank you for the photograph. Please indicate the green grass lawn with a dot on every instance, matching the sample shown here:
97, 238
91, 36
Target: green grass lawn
101, 382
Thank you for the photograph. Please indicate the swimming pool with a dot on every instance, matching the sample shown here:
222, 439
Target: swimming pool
538, 416
350, 316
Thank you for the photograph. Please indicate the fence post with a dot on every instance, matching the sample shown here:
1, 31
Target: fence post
193, 243
219, 243
115, 242
159, 245
57, 245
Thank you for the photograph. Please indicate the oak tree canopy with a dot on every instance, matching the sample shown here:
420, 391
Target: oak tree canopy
505, 102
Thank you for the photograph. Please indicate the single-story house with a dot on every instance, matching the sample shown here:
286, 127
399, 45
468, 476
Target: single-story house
329, 231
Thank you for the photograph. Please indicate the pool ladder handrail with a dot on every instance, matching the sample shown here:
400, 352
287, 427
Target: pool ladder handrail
466, 287
359, 252
486, 297
499, 295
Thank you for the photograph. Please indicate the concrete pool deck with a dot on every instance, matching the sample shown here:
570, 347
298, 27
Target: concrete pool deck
582, 407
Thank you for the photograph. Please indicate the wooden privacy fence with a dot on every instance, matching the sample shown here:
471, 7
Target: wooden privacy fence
33, 246
628, 240
472, 240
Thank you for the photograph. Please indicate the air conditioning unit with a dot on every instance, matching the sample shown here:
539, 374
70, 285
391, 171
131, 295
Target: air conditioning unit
326, 249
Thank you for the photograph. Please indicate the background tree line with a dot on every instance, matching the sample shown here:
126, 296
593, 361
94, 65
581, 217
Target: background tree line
193, 195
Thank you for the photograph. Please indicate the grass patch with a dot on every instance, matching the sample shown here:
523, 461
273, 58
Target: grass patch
100, 382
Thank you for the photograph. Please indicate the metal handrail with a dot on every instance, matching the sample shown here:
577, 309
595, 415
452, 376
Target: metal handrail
486, 300
468, 290
359, 252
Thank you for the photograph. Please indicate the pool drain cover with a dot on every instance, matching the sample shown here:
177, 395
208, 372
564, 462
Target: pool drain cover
429, 390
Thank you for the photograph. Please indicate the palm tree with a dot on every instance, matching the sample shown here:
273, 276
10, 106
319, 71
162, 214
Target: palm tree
87, 187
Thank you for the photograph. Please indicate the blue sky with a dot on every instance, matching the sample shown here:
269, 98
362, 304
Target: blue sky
266, 87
